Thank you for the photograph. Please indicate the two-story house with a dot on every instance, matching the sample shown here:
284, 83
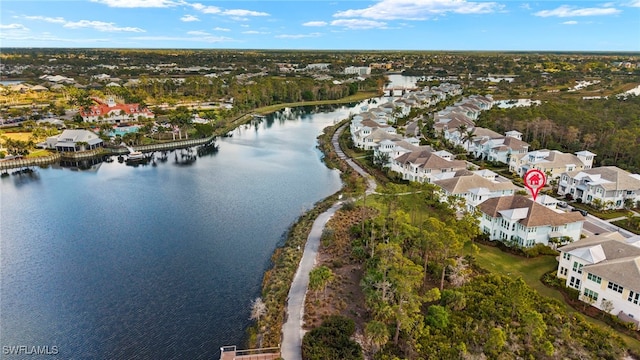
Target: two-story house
608, 186
518, 220
424, 166
551, 162
474, 188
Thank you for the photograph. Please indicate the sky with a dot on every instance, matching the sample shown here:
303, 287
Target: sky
459, 25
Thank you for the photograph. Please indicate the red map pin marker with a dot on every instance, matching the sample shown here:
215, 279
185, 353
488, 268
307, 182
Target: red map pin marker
534, 180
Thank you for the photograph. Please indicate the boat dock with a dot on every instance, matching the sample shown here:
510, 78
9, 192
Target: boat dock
231, 353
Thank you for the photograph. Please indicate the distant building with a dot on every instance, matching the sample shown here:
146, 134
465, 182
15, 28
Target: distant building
114, 113
358, 70
74, 140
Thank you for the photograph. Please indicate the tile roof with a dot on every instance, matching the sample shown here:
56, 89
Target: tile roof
537, 215
615, 178
428, 160
463, 184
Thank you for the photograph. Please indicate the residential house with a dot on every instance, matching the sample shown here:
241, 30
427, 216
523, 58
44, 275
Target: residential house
606, 186
520, 221
389, 149
606, 271
424, 166
551, 162
474, 188
499, 149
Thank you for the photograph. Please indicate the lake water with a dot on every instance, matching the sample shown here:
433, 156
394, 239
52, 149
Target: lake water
122, 262
155, 262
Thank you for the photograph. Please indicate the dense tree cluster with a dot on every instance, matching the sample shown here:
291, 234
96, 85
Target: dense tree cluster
425, 301
608, 127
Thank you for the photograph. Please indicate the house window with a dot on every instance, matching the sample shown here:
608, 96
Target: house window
577, 267
574, 283
615, 287
566, 256
634, 297
594, 278
591, 294
563, 271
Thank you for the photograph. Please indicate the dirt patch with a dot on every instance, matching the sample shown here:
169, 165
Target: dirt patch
343, 296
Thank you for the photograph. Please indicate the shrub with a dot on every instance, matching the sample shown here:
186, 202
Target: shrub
332, 340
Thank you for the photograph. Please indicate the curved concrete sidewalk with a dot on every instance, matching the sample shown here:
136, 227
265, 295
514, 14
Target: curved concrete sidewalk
292, 332
292, 329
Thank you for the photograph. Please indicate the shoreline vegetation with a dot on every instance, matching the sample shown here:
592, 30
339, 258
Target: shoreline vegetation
277, 279
231, 124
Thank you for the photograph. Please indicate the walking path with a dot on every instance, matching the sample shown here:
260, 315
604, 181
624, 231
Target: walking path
292, 332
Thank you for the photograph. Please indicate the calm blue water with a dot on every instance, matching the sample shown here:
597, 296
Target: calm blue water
122, 262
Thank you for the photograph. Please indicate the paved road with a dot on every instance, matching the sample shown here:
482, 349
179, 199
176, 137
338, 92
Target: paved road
292, 331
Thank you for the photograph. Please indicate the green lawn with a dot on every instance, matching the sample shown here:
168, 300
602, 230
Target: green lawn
531, 270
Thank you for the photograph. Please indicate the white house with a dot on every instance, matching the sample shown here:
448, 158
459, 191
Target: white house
551, 162
606, 271
474, 188
500, 149
74, 140
608, 185
520, 221
390, 149
424, 166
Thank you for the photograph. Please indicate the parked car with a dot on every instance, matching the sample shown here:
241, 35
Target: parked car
562, 204
583, 212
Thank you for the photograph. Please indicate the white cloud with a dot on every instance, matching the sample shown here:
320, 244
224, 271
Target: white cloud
525, 6
240, 12
198, 33
570, 11
138, 3
298, 36
570, 22
56, 20
254, 32
189, 18
358, 24
634, 3
206, 9
221, 29
315, 23
100, 26
13, 27
419, 9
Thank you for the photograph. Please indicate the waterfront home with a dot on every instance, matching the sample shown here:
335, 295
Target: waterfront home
389, 149
551, 162
423, 166
114, 113
74, 140
605, 269
518, 220
608, 187
366, 133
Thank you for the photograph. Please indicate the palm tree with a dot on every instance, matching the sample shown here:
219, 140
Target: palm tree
467, 136
320, 277
377, 334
